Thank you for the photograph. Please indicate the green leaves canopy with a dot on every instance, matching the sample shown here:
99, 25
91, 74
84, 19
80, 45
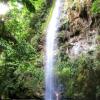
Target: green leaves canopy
96, 6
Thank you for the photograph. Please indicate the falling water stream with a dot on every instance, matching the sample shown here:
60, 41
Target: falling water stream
51, 47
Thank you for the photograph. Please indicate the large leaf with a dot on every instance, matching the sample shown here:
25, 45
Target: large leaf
29, 5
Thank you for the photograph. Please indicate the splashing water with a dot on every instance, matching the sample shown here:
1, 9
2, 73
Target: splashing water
51, 47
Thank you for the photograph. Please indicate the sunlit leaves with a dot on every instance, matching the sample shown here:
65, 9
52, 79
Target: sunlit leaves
21, 63
96, 6
29, 5
17, 22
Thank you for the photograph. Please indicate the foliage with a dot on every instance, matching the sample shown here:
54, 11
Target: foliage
21, 62
96, 6
21, 71
80, 77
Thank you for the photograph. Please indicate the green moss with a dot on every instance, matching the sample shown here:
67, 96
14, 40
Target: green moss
98, 38
44, 26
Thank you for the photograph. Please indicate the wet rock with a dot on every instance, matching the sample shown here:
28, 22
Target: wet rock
78, 30
64, 26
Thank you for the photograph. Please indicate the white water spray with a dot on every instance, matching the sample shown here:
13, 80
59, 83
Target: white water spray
51, 47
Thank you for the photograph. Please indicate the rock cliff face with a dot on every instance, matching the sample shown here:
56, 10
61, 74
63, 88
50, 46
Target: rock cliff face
79, 29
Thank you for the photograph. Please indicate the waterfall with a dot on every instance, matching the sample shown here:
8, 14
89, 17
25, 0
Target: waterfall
51, 47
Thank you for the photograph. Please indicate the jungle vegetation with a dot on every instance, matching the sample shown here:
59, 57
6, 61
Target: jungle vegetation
22, 39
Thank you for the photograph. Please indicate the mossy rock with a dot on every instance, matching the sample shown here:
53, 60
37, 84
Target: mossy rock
98, 39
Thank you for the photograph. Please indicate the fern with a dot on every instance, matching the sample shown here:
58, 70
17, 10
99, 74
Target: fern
96, 6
